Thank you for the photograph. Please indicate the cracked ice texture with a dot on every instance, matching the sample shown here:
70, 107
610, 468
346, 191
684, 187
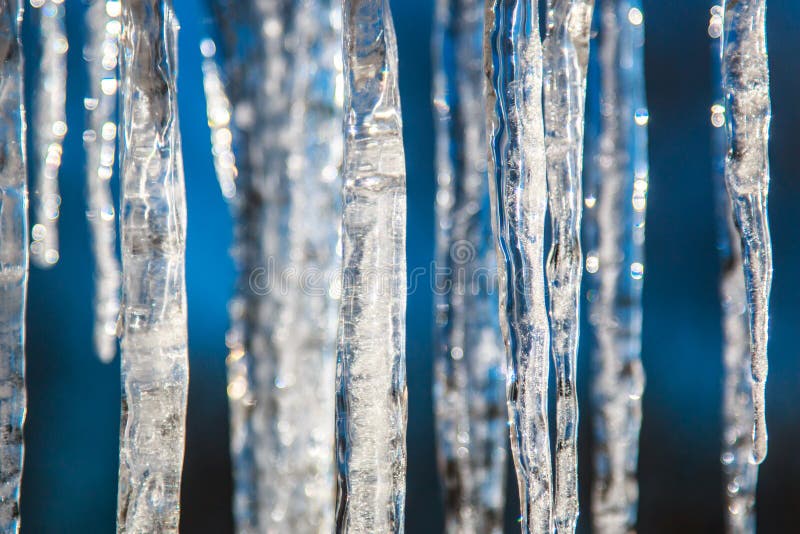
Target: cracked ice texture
518, 189
153, 213
470, 360
566, 52
745, 83
616, 266
49, 129
371, 392
100, 141
13, 263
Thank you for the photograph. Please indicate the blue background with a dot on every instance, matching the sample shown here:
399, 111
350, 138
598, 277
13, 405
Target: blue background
73, 417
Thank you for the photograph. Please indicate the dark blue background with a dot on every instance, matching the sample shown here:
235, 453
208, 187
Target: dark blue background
73, 417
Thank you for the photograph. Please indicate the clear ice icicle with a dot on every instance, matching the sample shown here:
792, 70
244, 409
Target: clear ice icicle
745, 83
616, 266
50, 127
518, 189
566, 53
13, 263
100, 141
370, 374
470, 359
154, 365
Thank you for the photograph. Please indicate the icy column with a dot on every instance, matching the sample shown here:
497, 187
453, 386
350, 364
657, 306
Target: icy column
371, 375
153, 213
566, 53
741, 475
13, 263
518, 189
100, 141
745, 83
470, 363
49, 129
617, 266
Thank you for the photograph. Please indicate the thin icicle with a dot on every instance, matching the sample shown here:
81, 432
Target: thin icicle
741, 475
13, 263
745, 83
100, 141
618, 266
566, 55
371, 375
153, 211
470, 364
517, 185
49, 129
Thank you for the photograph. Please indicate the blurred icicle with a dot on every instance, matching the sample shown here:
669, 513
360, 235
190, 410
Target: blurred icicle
100, 141
745, 83
154, 365
470, 362
49, 129
616, 266
518, 188
371, 394
13, 263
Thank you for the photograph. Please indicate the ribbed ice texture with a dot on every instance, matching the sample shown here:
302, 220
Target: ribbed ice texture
100, 141
470, 361
617, 265
371, 367
741, 475
745, 82
566, 53
49, 129
518, 188
13, 262
153, 211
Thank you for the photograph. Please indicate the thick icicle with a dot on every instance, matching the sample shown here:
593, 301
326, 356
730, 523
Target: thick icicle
741, 475
49, 129
566, 54
13, 263
370, 374
470, 361
153, 211
517, 185
617, 266
745, 83
100, 141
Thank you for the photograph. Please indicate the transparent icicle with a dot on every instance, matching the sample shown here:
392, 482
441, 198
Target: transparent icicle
49, 129
566, 55
371, 376
100, 141
518, 190
153, 212
13, 263
470, 361
741, 475
617, 266
745, 83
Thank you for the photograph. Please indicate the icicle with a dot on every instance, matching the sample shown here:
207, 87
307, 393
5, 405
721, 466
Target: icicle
153, 213
13, 262
100, 141
518, 189
218, 112
618, 265
470, 364
745, 82
50, 127
566, 53
370, 375
740, 474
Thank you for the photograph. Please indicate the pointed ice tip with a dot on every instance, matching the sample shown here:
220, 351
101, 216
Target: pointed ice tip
759, 443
